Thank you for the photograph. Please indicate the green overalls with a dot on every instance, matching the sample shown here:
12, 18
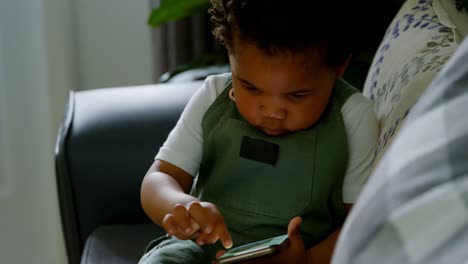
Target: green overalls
257, 199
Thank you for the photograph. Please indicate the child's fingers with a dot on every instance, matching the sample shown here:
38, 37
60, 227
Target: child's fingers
204, 239
215, 235
296, 244
202, 216
223, 234
220, 232
172, 228
212, 237
169, 224
182, 218
211, 223
220, 253
194, 226
294, 227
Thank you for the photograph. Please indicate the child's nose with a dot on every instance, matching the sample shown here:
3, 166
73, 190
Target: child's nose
279, 114
274, 111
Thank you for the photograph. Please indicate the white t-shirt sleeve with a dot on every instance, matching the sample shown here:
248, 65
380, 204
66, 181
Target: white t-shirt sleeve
362, 129
183, 146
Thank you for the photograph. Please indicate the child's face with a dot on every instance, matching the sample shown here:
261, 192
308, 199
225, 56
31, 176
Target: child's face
282, 93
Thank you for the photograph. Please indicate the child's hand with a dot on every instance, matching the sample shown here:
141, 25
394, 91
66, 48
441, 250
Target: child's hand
200, 220
293, 252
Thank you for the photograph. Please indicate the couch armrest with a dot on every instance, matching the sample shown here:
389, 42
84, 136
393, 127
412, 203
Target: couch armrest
106, 143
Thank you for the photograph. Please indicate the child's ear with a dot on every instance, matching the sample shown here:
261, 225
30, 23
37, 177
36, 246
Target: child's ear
341, 69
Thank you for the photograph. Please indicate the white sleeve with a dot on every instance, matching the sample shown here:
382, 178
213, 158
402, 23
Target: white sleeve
362, 129
183, 146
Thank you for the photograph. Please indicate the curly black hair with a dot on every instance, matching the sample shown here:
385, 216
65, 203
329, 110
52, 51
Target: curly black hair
292, 25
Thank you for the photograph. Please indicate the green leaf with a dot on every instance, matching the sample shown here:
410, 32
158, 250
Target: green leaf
171, 10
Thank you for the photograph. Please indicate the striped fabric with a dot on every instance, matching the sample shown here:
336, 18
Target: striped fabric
414, 208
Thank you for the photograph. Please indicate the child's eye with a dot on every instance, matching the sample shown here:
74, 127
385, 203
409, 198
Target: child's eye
297, 96
251, 89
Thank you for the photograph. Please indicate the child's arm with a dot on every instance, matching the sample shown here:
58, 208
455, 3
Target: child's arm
165, 199
323, 251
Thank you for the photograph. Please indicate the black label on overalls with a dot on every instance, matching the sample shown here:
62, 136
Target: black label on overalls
259, 150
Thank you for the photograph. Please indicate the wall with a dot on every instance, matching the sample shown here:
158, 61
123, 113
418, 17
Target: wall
48, 47
114, 47
28, 203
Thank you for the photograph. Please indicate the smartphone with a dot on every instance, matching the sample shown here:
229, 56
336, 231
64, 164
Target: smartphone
252, 250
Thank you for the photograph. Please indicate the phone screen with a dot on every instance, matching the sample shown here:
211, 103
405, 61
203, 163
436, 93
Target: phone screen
252, 250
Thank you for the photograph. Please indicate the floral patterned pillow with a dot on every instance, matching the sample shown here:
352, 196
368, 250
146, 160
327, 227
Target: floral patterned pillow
415, 47
455, 14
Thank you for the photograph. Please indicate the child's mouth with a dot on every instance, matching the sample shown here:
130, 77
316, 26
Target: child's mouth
273, 132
